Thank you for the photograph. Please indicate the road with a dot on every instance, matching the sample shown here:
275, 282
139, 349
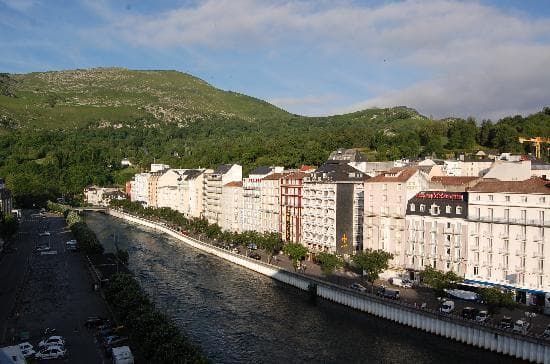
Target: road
50, 290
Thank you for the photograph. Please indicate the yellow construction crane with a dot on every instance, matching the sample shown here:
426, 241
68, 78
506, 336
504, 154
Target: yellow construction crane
536, 141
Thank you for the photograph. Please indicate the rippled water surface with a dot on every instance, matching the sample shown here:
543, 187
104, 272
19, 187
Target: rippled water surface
239, 316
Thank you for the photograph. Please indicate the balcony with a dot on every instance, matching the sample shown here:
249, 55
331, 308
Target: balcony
520, 253
503, 220
521, 237
537, 270
503, 251
520, 268
474, 248
504, 235
537, 255
538, 238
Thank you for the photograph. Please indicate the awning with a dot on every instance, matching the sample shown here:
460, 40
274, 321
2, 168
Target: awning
492, 284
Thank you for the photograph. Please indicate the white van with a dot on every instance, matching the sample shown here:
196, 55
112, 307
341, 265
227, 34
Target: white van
399, 282
122, 355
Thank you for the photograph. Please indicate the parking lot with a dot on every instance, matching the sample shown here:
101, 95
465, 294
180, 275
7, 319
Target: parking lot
48, 286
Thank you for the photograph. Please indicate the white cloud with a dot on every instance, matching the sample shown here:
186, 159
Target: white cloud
476, 58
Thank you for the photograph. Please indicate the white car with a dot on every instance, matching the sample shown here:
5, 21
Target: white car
521, 327
42, 248
405, 283
358, 287
27, 349
482, 316
52, 341
45, 233
52, 352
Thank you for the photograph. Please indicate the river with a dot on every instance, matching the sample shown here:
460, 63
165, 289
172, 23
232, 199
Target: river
239, 316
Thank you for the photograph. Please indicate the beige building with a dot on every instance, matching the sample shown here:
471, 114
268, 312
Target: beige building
170, 190
153, 191
332, 212
213, 186
509, 228
437, 231
270, 207
291, 206
386, 197
252, 198
101, 196
452, 183
232, 200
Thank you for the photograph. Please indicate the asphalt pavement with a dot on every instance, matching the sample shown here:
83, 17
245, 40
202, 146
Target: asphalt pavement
50, 289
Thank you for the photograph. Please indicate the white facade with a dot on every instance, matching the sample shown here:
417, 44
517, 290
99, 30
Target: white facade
252, 198
232, 200
140, 188
270, 207
157, 167
509, 228
386, 199
170, 190
213, 185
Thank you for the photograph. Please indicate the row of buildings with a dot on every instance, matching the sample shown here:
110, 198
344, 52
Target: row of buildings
488, 223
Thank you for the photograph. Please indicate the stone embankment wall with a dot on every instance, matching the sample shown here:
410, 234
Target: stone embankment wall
526, 348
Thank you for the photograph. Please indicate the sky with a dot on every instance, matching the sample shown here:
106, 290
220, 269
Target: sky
486, 59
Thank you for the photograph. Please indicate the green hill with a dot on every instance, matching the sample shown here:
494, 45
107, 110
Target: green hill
112, 96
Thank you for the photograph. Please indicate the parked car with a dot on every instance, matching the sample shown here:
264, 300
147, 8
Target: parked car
358, 287
447, 306
252, 246
255, 256
95, 321
44, 233
405, 283
521, 327
470, 313
52, 341
482, 316
26, 349
43, 248
51, 352
122, 355
113, 344
506, 323
388, 293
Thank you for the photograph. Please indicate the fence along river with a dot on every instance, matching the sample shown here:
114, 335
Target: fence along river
239, 316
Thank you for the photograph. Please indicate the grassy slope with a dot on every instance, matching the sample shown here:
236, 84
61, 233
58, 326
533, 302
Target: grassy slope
75, 98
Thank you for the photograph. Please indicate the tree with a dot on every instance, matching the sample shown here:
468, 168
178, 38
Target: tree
438, 280
296, 252
329, 262
8, 225
495, 299
271, 243
372, 263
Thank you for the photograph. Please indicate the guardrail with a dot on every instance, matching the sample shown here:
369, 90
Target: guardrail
483, 335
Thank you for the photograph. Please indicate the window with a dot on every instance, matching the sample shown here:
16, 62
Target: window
412, 207
507, 214
478, 197
476, 271
448, 225
422, 208
523, 198
458, 210
490, 197
384, 186
507, 198
506, 244
490, 212
542, 199
435, 210
524, 215
399, 187
385, 198
448, 209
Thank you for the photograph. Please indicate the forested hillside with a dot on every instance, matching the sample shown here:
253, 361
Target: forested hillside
62, 131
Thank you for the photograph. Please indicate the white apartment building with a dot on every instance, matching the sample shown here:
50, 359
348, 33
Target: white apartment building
437, 231
386, 197
170, 190
270, 203
467, 167
140, 188
332, 212
193, 192
508, 243
157, 167
252, 198
213, 185
232, 200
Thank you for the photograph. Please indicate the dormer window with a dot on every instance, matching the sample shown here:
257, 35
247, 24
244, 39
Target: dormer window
412, 207
435, 210
422, 208
459, 210
448, 209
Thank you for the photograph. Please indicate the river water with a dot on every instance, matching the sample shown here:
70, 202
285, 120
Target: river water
239, 316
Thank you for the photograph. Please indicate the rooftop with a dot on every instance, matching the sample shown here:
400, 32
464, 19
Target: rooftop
532, 185
234, 184
261, 170
395, 175
223, 169
453, 180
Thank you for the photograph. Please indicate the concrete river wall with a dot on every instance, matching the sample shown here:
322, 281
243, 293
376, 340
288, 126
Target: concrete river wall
526, 348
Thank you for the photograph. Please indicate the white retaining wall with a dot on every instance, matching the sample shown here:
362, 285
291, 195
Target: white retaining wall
525, 348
